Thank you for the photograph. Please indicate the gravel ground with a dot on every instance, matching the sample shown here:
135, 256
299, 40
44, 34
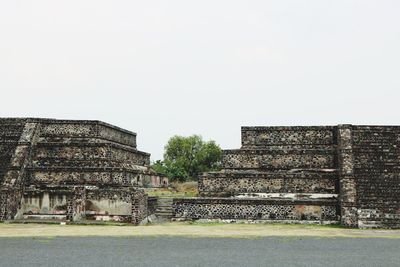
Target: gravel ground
189, 230
182, 251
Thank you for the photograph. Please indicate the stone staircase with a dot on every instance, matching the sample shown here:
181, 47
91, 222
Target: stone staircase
164, 209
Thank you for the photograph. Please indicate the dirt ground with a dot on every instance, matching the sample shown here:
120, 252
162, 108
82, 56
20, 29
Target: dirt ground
190, 230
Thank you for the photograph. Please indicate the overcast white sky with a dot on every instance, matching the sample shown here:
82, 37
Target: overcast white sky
161, 68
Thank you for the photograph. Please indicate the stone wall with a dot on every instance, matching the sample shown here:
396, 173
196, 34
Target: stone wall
376, 163
347, 188
298, 137
255, 209
9, 203
152, 205
357, 166
16, 162
232, 183
97, 154
139, 206
109, 204
77, 203
110, 177
79, 170
10, 134
280, 173
9, 137
70, 170
63, 130
274, 159
49, 202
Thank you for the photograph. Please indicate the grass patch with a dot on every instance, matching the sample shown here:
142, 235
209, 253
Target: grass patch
193, 230
176, 190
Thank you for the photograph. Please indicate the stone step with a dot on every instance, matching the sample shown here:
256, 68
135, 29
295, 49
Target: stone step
59, 217
164, 211
165, 216
35, 221
164, 208
81, 222
161, 202
166, 202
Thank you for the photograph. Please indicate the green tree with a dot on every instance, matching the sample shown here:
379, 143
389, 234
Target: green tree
173, 172
186, 157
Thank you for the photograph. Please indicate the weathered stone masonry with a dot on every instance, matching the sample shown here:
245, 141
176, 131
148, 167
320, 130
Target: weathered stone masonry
71, 170
346, 174
89, 170
376, 166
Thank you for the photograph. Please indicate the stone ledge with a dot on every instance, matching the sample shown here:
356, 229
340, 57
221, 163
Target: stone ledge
255, 201
267, 151
23, 120
271, 174
288, 128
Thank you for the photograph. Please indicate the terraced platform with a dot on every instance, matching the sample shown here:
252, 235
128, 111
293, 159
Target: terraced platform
319, 174
71, 170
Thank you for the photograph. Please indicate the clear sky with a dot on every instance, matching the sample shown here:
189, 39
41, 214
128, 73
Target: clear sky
161, 68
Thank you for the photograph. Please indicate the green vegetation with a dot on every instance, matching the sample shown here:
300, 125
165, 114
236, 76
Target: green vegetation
175, 190
186, 157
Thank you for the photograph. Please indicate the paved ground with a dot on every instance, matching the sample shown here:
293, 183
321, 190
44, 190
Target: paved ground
192, 230
181, 251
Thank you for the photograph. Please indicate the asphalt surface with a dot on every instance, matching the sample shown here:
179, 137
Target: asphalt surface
177, 251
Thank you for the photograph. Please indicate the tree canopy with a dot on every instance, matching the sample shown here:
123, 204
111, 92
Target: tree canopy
186, 157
